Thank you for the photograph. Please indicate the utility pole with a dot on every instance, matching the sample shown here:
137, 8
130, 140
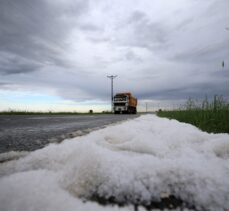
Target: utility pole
223, 64
112, 78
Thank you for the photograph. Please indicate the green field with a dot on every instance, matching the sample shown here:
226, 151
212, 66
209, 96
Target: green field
208, 116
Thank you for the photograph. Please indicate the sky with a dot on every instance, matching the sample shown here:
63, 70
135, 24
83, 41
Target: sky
56, 55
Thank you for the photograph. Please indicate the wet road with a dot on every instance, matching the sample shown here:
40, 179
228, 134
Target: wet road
31, 132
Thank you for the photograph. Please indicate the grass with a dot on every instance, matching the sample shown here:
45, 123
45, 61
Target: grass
208, 116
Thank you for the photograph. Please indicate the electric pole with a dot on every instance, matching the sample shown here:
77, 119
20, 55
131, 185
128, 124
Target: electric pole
112, 78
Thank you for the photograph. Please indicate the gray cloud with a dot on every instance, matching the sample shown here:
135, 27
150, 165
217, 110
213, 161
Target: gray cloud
89, 27
202, 38
67, 48
35, 30
14, 64
184, 24
207, 89
130, 55
211, 52
3, 84
144, 32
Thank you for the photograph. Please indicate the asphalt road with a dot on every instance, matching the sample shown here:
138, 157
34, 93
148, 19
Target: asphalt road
31, 132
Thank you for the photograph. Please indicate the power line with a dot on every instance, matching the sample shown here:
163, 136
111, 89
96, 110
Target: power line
112, 78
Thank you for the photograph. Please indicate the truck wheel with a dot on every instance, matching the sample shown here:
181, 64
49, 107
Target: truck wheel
135, 111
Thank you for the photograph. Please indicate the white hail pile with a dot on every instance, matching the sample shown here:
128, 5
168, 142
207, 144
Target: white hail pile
136, 161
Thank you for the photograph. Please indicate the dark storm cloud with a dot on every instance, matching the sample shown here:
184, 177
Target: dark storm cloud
34, 30
3, 84
20, 68
14, 64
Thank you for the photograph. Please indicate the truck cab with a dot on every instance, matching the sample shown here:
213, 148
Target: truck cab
124, 103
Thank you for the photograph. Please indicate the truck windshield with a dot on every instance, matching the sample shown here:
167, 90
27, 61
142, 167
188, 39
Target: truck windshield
119, 99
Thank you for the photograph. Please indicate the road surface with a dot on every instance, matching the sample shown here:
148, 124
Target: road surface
31, 132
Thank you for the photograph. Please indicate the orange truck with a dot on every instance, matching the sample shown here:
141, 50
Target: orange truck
125, 103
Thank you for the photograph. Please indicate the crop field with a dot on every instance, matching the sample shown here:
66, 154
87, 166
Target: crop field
208, 116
